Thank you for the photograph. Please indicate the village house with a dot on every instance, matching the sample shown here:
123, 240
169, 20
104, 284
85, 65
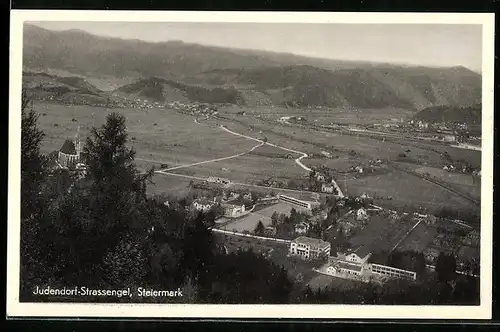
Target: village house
270, 231
301, 228
358, 169
232, 210
361, 214
309, 248
327, 188
203, 205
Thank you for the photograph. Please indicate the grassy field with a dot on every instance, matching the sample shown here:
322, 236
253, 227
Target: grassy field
158, 135
172, 185
249, 222
397, 184
382, 233
321, 281
327, 115
248, 169
463, 182
419, 239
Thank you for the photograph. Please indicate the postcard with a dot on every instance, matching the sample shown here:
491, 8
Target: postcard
250, 165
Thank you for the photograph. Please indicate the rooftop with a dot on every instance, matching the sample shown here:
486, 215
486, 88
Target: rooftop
68, 147
311, 241
347, 266
362, 251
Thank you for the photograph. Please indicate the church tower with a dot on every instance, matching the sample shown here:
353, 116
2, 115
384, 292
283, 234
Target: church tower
78, 143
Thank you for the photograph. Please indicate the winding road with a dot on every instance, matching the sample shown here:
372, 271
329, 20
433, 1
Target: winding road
298, 161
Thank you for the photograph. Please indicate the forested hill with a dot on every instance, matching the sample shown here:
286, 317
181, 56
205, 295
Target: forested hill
469, 115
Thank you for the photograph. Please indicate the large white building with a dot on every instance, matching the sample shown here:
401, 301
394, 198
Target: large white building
355, 265
308, 205
309, 248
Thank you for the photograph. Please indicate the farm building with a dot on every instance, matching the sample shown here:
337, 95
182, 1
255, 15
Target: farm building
309, 248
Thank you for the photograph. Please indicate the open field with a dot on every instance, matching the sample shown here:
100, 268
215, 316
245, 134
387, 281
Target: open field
246, 223
382, 233
321, 281
157, 135
248, 169
397, 184
327, 115
171, 185
419, 239
463, 182
281, 208
249, 222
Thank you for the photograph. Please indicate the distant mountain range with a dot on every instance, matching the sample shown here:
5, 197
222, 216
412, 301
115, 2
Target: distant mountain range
170, 70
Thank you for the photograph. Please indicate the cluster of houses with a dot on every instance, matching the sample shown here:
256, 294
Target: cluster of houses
231, 203
191, 108
349, 265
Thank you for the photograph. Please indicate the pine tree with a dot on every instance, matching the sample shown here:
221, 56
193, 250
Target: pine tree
259, 229
33, 163
116, 185
33, 173
445, 267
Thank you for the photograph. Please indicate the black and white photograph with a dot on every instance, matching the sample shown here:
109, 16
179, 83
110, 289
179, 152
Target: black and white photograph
325, 165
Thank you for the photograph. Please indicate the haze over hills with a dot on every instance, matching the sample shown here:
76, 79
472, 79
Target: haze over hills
223, 75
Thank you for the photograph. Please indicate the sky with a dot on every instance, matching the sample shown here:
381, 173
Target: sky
413, 44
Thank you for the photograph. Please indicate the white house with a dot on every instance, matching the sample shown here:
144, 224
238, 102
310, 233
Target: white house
233, 211
361, 214
359, 256
203, 205
358, 169
327, 188
301, 228
320, 177
309, 248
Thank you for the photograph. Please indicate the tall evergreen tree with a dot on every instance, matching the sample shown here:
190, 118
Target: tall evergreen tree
33, 173
446, 266
33, 163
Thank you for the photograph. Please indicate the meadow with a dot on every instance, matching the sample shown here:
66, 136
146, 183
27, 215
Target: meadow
382, 233
157, 135
405, 189
419, 239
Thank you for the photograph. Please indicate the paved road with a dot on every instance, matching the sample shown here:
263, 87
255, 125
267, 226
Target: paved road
298, 160
213, 160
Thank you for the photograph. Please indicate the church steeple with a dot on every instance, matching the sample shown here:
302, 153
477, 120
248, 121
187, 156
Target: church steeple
77, 142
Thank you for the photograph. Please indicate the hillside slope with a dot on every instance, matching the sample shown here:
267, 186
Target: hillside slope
469, 115
377, 87
160, 90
